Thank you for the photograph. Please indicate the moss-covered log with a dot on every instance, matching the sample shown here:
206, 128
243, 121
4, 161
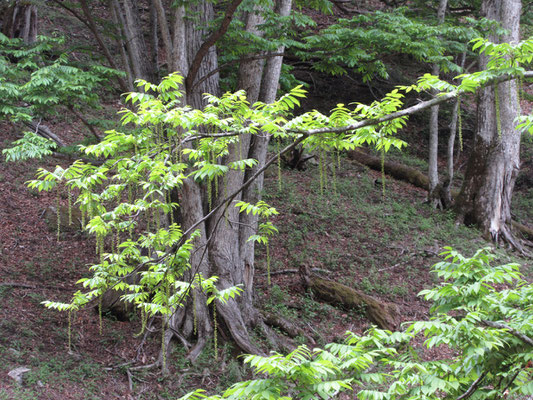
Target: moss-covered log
384, 315
394, 169
418, 179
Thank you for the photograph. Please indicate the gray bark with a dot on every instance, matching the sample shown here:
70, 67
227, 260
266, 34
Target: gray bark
433, 170
493, 166
258, 151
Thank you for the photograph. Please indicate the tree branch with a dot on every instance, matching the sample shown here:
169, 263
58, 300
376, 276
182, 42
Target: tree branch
472, 387
406, 111
211, 40
514, 332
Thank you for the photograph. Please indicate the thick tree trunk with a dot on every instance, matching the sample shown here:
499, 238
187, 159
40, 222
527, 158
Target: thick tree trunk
20, 21
493, 166
134, 39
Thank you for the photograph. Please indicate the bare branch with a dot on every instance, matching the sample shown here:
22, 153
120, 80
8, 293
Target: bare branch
211, 40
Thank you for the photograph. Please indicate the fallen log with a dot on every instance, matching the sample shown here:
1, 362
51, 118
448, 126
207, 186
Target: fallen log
418, 179
394, 169
384, 315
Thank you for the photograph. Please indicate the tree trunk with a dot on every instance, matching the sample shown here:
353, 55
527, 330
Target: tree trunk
433, 171
134, 39
493, 166
20, 21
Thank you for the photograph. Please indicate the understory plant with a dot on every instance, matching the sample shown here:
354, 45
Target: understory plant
481, 325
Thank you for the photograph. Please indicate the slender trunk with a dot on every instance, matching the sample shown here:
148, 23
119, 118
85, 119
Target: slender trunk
493, 166
433, 170
447, 185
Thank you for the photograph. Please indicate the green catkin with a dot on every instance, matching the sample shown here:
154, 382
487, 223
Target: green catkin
498, 116
100, 315
157, 220
225, 179
117, 240
334, 173
279, 165
69, 193
209, 197
164, 326
169, 202
194, 315
383, 171
69, 331
460, 123
321, 172
519, 93
215, 329
102, 238
268, 263
58, 216
325, 168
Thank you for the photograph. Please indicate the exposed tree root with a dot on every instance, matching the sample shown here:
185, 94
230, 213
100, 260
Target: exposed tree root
285, 325
384, 315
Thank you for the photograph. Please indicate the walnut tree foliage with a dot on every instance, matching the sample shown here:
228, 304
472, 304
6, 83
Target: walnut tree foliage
486, 332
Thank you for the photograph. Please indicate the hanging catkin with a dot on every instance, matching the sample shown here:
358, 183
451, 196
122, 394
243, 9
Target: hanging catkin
498, 116
279, 165
58, 215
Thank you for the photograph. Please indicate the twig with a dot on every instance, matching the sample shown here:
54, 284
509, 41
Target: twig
295, 271
130, 380
472, 387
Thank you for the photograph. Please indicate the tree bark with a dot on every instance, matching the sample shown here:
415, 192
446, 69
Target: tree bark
485, 197
20, 21
433, 171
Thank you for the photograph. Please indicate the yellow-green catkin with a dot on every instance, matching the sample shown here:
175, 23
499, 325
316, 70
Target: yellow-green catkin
325, 169
520, 93
100, 324
498, 116
69, 194
194, 314
157, 220
383, 171
58, 216
102, 241
215, 329
279, 165
321, 171
164, 325
460, 123
171, 211
334, 173
117, 240
69, 330
268, 263
209, 197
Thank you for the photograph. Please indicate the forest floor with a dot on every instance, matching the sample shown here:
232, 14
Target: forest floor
384, 246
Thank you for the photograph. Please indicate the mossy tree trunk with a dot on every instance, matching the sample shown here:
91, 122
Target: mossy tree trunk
485, 197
